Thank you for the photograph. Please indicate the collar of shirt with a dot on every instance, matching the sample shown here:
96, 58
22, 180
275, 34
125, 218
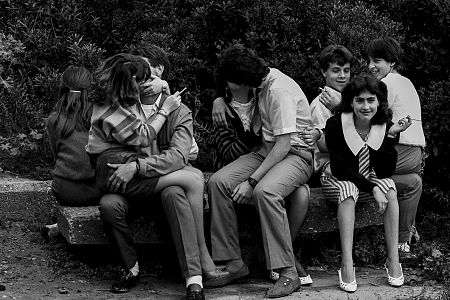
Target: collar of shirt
354, 141
151, 109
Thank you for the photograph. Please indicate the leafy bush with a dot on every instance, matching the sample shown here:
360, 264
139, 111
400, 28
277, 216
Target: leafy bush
436, 114
39, 39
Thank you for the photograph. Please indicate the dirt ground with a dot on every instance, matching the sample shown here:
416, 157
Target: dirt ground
31, 268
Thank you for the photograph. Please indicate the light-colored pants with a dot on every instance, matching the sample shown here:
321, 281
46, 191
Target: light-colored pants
281, 180
409, 187
115, 211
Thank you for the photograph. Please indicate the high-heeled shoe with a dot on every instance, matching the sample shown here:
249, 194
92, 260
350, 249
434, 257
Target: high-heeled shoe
348, 287
396, 282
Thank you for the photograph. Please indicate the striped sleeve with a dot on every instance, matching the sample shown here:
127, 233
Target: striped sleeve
119, 124
228, 147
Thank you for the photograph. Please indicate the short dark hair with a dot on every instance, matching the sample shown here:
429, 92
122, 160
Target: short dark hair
386, 48
366, 82
155, 55
241, 65
335, 54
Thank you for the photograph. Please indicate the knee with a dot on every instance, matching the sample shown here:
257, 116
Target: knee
197, 177
172, 195
347, 203
301, 196
391, 196
111, 206
217, 180
261, 193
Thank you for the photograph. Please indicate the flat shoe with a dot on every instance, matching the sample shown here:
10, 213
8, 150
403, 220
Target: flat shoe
230, 277
123, 285
396, 282
213, 276
348, 287
195, 292
283, 287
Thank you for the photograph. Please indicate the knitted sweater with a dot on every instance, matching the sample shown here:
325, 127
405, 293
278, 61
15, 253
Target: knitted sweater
71, 159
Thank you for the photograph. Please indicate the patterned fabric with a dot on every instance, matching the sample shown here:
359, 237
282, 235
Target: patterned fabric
113, 127
337, 191
244, 111
364, 167
232, 141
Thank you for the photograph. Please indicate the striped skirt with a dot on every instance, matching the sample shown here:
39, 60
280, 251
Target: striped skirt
337, 191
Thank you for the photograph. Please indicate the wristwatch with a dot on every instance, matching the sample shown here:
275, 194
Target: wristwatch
163, 113
253, 182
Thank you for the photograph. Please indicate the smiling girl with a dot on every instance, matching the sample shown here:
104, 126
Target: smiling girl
361, 141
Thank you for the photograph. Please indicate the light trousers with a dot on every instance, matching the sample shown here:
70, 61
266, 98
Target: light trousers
268, 197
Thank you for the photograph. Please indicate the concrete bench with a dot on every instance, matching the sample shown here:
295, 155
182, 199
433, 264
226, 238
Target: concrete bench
82, 225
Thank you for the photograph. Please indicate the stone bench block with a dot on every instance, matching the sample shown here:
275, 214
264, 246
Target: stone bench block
82, 225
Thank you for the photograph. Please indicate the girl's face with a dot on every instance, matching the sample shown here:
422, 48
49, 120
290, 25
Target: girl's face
237, 87
365, 106
337, 76
380, 67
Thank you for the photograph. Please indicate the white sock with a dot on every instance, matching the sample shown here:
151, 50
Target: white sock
194, 279
135, 269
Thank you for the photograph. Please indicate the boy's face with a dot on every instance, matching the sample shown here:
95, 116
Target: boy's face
156, 71
379, 67
337, 76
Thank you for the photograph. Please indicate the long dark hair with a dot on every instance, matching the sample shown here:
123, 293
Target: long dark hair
118, 79
73, 110
366, 82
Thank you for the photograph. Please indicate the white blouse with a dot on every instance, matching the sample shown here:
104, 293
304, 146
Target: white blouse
244, 111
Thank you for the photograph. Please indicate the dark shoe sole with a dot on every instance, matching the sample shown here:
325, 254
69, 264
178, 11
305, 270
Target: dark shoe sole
295, 287
241, 273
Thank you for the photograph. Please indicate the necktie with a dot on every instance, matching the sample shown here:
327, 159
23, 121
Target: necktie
364, 162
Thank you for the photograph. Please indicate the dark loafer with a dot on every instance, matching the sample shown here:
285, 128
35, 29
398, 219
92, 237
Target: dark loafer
226, 279
283, 287
214, 275
194, 292
127, 281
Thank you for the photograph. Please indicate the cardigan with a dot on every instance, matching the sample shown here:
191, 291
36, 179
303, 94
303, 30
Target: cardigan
232, 141
344, 159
